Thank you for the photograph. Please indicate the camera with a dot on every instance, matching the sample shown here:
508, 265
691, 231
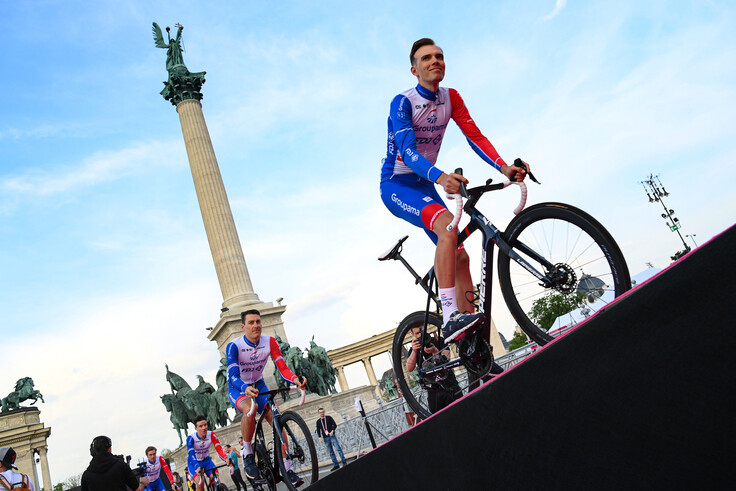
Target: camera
140, 470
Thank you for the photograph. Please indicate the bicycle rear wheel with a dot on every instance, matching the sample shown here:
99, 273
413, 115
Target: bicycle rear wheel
425, 395
300, 450
587, 265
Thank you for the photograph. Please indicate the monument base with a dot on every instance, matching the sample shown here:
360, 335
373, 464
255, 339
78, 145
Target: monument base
23, 430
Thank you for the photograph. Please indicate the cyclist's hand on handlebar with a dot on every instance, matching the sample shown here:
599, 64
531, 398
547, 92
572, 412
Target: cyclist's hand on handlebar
451, 182
302, 384
251, 391
514, 173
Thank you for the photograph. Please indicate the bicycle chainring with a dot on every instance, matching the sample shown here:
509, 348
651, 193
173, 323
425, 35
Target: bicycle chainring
476, 354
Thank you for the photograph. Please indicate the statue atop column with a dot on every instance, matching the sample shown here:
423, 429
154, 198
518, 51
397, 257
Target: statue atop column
23, 391
182, 83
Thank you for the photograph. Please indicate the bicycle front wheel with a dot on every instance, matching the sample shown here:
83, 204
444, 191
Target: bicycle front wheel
576, 252
300, 450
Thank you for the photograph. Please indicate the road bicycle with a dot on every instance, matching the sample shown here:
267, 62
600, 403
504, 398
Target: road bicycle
291, 440
547, 249
212, 479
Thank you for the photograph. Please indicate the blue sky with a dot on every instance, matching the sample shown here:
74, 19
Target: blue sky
106, 271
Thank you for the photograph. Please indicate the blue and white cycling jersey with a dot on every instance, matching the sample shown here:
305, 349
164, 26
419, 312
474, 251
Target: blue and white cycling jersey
417, 122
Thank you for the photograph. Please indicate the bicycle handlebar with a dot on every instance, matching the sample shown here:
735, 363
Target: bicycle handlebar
478, 191
254, 404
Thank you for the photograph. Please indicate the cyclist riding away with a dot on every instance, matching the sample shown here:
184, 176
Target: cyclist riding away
154, 466
246, 359
198, 447
417, 122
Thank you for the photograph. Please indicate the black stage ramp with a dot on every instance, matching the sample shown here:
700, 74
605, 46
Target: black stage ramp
641, 396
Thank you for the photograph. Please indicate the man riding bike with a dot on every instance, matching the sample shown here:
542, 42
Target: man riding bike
417, 122
246, 359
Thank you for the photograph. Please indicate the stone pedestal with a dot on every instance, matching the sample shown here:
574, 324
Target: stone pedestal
23, 430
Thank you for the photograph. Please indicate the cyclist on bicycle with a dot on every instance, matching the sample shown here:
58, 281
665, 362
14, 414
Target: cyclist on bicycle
417, 122
198, 447
246, 359
153, 469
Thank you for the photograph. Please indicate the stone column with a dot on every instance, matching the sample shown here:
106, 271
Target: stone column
219, 225
341, 379
43, 454
369, 371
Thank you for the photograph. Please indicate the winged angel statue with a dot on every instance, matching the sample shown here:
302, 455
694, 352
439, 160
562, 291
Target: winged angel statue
181, 81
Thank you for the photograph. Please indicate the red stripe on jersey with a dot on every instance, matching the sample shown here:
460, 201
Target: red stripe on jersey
461, 116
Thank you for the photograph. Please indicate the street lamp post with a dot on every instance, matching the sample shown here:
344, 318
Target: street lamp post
692, 237
654, 186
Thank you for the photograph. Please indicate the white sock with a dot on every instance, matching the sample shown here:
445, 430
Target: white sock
247, 448
449, 304
287, 464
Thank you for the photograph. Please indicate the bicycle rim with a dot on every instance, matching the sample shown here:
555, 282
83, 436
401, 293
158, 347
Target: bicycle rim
589, 267
413, 389
300, 449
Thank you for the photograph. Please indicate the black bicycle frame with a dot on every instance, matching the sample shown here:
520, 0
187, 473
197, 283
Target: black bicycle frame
491, 235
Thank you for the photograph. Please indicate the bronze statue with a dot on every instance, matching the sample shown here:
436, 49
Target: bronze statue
322, 367
184, 403
221, 398
390, 389
182, 83
23, 391
179, 416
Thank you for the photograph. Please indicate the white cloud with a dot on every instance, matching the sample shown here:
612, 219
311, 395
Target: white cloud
559, 5
98, 168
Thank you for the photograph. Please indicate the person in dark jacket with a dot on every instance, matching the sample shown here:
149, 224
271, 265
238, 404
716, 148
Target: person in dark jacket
106, 472
326, 432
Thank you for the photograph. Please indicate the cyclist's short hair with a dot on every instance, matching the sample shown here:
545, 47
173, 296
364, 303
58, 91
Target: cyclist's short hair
251, 312
198, 418
150, 447
415, 47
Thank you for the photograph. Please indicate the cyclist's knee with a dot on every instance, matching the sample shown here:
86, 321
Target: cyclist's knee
440, 229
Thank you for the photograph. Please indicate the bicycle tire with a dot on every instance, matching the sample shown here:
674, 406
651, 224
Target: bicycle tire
414, 390
580, 248
300, 449
311, 473
265, 467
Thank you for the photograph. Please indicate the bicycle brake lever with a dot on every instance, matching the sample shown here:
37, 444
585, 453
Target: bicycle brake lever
463, 187
520, 164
